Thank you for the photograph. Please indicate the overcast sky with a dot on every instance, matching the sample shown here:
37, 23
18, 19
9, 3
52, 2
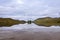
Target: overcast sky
29, 8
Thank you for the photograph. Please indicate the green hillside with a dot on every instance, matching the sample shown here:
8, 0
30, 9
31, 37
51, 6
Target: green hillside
9, 22
47, 21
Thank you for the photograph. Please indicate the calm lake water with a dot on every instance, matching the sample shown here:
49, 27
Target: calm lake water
27, 26
29, 31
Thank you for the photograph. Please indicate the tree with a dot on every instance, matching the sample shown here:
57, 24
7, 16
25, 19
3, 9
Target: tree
29, 21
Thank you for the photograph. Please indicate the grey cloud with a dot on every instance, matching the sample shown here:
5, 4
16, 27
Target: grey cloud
30, 7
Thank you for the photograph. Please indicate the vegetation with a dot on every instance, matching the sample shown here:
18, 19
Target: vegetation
47, 21
9, 22
29, 21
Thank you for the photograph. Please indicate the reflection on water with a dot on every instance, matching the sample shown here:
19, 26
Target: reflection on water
26, 26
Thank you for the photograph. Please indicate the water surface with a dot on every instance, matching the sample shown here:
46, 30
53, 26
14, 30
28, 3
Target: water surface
27, 26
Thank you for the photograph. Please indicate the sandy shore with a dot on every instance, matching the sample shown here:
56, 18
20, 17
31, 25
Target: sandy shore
30, 34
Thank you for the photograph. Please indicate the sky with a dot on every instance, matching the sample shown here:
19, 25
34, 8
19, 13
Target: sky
29, 8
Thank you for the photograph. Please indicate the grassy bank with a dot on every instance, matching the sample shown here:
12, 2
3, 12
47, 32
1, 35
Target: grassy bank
47, 21
10, 22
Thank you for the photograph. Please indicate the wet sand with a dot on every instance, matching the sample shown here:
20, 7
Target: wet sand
31, 34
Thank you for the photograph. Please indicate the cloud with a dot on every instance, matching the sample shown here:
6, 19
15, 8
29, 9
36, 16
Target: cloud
30, 8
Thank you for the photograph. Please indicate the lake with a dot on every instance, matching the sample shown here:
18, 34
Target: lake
27, 26
29, 32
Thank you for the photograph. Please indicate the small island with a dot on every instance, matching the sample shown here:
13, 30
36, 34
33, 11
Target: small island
9, 22
47, 21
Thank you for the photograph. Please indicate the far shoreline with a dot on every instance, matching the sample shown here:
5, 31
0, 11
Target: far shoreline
46, 21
